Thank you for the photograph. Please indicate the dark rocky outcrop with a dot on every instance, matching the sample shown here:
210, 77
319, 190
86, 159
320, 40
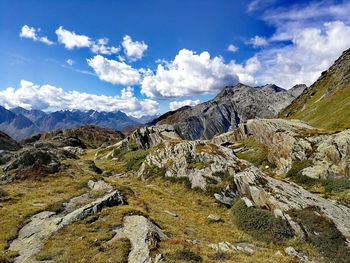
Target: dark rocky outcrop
7, 143
233, 105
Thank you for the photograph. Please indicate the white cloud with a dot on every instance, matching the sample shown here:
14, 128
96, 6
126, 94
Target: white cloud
32, 33
28, 32
70, 62
191, 74
232, 48
312, 51
114, 71
31, 96
174, 105
258, 41
100, 47
134, 50
71, 40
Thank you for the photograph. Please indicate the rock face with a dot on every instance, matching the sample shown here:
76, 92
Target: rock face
325, 103
7, 143
143, 235
147, 137
195, 161
290, 141
143, 138
35, 234
267, 192
233, 105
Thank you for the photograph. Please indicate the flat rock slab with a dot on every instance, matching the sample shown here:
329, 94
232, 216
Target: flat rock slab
32, 237
143, 235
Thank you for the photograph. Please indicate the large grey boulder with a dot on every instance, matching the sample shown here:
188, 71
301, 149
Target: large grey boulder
143, 236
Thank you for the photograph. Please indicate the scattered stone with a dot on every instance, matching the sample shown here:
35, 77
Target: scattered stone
193, 242
290, 251
278, 254
227, 246
159, 258
170, 213
99, 185
214, 218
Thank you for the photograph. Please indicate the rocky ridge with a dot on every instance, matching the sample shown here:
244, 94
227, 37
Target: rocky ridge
233, 105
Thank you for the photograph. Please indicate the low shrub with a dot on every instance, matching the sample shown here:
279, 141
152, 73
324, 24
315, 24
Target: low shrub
297, 167
3, 193
323, 235
188, 255
260, 223
336, 185
218, 256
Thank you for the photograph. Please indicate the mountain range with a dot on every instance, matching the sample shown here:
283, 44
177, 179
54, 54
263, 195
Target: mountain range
20, 123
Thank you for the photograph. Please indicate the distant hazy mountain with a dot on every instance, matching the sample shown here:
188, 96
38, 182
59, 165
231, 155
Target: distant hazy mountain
231, 106
20, 123
145, 119
326, 103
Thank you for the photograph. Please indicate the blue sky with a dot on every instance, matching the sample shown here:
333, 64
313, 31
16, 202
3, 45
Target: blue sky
160, 55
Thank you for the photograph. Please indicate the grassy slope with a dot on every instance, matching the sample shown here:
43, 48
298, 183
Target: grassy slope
148, 198
326, 104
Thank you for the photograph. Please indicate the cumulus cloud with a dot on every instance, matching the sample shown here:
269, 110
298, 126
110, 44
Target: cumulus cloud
32, 33
31, 96
113, 71
72, 40
191, 74
134, 50
174, 105
312, 51
232, 48
258, 41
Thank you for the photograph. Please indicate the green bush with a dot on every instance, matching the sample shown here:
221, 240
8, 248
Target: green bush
188, 255
3, 193
323, 235
336, 185
297, 166
260, 223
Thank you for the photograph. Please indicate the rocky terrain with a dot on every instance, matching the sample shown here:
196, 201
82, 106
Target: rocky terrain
233, 105
247, 189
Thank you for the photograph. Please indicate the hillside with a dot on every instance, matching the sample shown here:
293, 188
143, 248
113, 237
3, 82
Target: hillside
233, 105
326, 103
7, 143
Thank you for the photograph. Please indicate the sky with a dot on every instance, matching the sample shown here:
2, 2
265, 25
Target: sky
149, 57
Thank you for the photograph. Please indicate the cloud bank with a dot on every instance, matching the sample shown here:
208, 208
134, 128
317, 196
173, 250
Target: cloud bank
46, 97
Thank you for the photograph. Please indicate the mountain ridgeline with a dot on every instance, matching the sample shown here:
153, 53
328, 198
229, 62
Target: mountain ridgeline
326, 103
233, 105
20, 123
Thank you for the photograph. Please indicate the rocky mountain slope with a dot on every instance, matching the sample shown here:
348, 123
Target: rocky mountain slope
20, 123
326, 103
7, 143
155, 197
233, 105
